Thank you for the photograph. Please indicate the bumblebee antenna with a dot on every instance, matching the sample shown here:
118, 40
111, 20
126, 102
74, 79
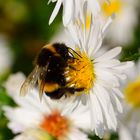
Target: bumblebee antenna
74, 52
71, 54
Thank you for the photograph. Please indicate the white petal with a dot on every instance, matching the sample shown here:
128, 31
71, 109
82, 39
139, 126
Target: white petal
124, 133
78, 7
74, 34
81, 119
107, 24
96, 114
68, 9
106, 77
109, 113
21, 118
109, 55
116, 102
125, 65
118, 93
14, 83
24, 137
94, 38
94, 6
55, 11
107, 63
77, 134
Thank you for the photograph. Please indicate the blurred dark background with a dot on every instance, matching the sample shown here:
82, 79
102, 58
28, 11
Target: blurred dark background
24, 23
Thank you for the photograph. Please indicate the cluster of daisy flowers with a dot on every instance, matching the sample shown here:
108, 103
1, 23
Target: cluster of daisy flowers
130, 121
98, 71
121, 30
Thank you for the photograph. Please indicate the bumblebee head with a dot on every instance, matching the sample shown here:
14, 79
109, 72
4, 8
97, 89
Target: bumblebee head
62, 49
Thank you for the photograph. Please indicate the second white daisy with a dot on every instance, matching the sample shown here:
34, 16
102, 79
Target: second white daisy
122, 29
57, 119
129, 127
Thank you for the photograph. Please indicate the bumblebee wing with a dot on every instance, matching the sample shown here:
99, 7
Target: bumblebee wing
41, 88
41, 81
30, 82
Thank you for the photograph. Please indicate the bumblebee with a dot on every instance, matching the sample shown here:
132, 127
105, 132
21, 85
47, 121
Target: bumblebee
50, 74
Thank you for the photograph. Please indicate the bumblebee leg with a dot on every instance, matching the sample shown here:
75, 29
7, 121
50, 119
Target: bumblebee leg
73, 90
72, 67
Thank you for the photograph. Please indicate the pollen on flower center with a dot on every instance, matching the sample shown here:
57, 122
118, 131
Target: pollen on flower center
132, 93
56, 125
115, 6
81, 72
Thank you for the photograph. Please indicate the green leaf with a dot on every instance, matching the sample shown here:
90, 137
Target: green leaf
4, 97
133, 57
107, 136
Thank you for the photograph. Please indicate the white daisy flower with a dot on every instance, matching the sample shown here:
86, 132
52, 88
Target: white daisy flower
72, 9
58, 119
122, 29
99, 75
130, 124
6, 57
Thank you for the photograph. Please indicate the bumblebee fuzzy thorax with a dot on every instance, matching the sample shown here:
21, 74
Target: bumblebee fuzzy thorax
81, 72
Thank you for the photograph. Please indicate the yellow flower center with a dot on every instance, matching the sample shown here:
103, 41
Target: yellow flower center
115, 6
81, 72
132, 93
56, 125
